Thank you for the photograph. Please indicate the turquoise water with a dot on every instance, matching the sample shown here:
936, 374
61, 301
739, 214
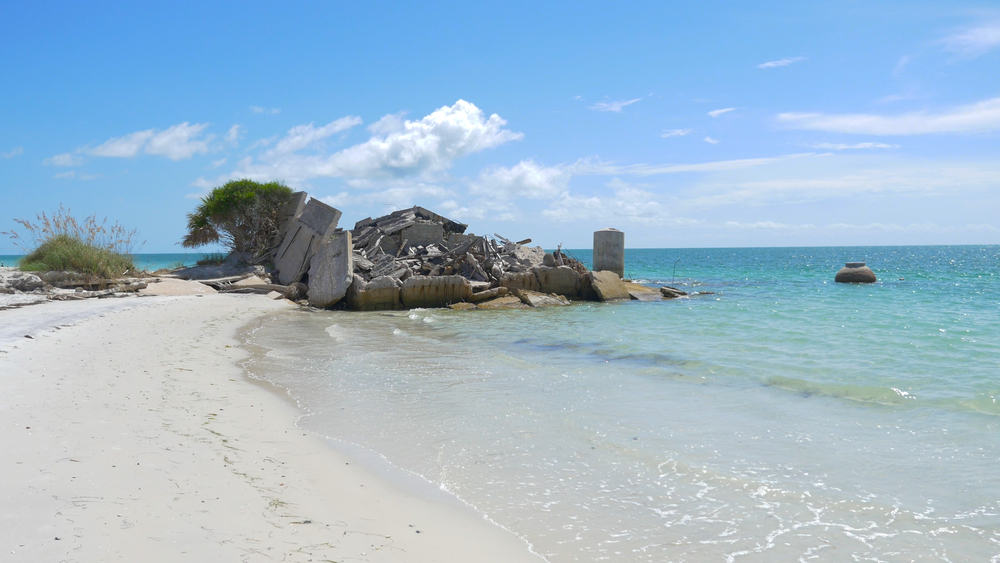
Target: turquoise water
775, 416
148, 262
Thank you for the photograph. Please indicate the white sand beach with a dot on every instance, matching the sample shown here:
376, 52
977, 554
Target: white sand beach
130, 433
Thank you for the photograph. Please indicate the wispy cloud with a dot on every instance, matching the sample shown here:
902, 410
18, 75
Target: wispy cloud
854, 146
675, 133
615, 106
979, 117
16, 151
720, 111
64, 159
590, 167
303, 136
234, 134
177, 142
711, 141
74, 175
262, 109
781, 62
973, 41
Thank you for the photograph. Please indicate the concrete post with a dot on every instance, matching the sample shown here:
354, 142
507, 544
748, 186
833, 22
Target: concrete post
609, 251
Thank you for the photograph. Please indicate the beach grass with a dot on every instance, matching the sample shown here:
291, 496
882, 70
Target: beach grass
65, 252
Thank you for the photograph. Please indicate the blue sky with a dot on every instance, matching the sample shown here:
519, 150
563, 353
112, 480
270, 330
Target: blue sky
683, 124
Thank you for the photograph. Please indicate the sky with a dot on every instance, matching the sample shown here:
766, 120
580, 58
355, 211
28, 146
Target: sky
694, 124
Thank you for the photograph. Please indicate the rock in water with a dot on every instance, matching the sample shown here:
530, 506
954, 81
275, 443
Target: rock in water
855, 272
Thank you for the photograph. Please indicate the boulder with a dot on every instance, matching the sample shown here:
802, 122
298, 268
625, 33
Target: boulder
505, 302
855, 272
331, 270
643, 293
380, 294
488, 294
537, 299
440, 291
608, 286
563, 280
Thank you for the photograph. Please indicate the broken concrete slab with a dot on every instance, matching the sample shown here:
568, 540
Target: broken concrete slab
440, 291
642, 293
331, 270
562, 280
505, 302
380, 294
316, 222
538, 299
608, 286
520, 280
671, 292
423, 233
488, 294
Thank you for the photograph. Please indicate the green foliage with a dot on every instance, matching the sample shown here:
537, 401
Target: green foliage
242, 214
212, 260
65, 252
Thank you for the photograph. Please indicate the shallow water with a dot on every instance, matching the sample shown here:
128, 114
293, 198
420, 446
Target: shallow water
781, 416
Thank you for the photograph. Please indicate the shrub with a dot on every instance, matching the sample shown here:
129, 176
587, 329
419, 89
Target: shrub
64, 252
242, 214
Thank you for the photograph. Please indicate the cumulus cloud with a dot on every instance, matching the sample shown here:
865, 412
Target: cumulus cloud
973, 41
16, 151
667, 133
412, 149
615, 106
176, 142
780, 62
720, 111
64, 159
979, 117
526, 179
391, 196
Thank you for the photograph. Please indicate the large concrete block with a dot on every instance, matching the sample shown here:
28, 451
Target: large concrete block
439, 291
290, 212
319, 217
609, 251
380, 294
561, 280
520, 280
331, 270
423, 233
608, 286
316, 221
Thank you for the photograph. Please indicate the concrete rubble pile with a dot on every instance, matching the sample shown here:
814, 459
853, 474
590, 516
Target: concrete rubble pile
416, 258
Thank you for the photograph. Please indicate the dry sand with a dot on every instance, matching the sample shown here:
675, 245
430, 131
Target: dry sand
132, 435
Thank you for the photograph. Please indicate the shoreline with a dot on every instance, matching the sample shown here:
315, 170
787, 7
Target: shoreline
139, 435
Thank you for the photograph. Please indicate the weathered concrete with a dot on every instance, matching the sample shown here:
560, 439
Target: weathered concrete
537, 299
671, 292
608, 286
331, 270
380, 294
462, 306
562, 280
855, 272
292, 210
488, 294
315, 223
422, 233
440, 291
520, 280
505, 302
643, 293
609, 251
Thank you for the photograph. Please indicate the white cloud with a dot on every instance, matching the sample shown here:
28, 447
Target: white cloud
64, 159
16, 151
854, 146
979, 117
973, 41
176, 142
388, 124
74, 175
390, 196
615, 106
420, 147
781, 62
901, 64
123, 147
711, 141
234, 134
591, 167
525, 179
261, 109
720, 111
179, 142
667, 133
302, 136
218, 163
627, 204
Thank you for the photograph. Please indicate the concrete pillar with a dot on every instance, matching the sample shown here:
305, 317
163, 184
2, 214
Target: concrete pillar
609, 251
